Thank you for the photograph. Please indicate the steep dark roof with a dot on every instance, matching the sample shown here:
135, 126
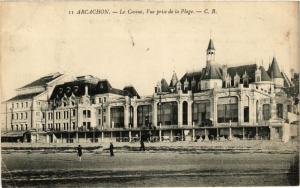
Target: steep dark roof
240, 70
196, 75
212, 72
274, 71
174, 80
42, 81
77, 87
264, 74
25, 96
286, 81
164, 85
131, 91
211, 45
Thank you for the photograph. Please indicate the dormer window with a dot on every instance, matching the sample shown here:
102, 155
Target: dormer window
246, 81
75, 89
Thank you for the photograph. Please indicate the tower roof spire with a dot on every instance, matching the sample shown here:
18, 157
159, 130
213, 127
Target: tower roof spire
211, 45
274, 69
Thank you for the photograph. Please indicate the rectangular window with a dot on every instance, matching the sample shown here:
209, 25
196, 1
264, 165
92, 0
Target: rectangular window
201, 113
289, 108
88, 113
88, 125
73, 124
22, 105
12, 116
73, 111
266, 112
167, 113
12, 106
117, 117
104, 99
144, 115
26, 104
99, 121
227, 113
279, 108
99, 111
84, 113
246, 114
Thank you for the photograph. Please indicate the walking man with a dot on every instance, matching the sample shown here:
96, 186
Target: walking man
111, 149
79, 152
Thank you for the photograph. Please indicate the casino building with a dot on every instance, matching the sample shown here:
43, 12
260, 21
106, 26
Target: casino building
219, 102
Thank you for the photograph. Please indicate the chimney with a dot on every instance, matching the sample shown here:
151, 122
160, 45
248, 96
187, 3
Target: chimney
224, 71
292, 74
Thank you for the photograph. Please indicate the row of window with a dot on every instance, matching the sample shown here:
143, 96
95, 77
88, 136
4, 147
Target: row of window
21, 127
86, 113
59, 126
21, 115
19, 105
100, 100
59, 114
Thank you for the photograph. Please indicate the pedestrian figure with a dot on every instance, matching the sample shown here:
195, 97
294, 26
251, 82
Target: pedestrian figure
142, 145
111, 149
79, 152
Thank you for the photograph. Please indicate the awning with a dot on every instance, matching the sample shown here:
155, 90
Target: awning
13, 134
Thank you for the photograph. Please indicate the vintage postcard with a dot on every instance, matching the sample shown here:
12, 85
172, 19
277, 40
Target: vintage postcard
149, 94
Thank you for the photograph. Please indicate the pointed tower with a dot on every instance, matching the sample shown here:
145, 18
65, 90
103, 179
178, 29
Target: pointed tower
210, 52
174, 80
275, 73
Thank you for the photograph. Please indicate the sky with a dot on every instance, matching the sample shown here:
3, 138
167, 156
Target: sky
140, 49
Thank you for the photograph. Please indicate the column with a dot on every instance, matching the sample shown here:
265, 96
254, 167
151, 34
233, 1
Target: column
160, 132
129, 135
126, 116
135, 116
243, 133
256, 133
85, 137
214, 110
206, 135
273, 109
61, 137
252, 111
154, 114
179, 111
190, 113
108, 117
240, 111
171, 136
102, 136
217, 134
230, 134
77, 138
193, 132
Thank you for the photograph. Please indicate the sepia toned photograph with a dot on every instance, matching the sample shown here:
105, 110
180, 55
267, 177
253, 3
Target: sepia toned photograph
149, 94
